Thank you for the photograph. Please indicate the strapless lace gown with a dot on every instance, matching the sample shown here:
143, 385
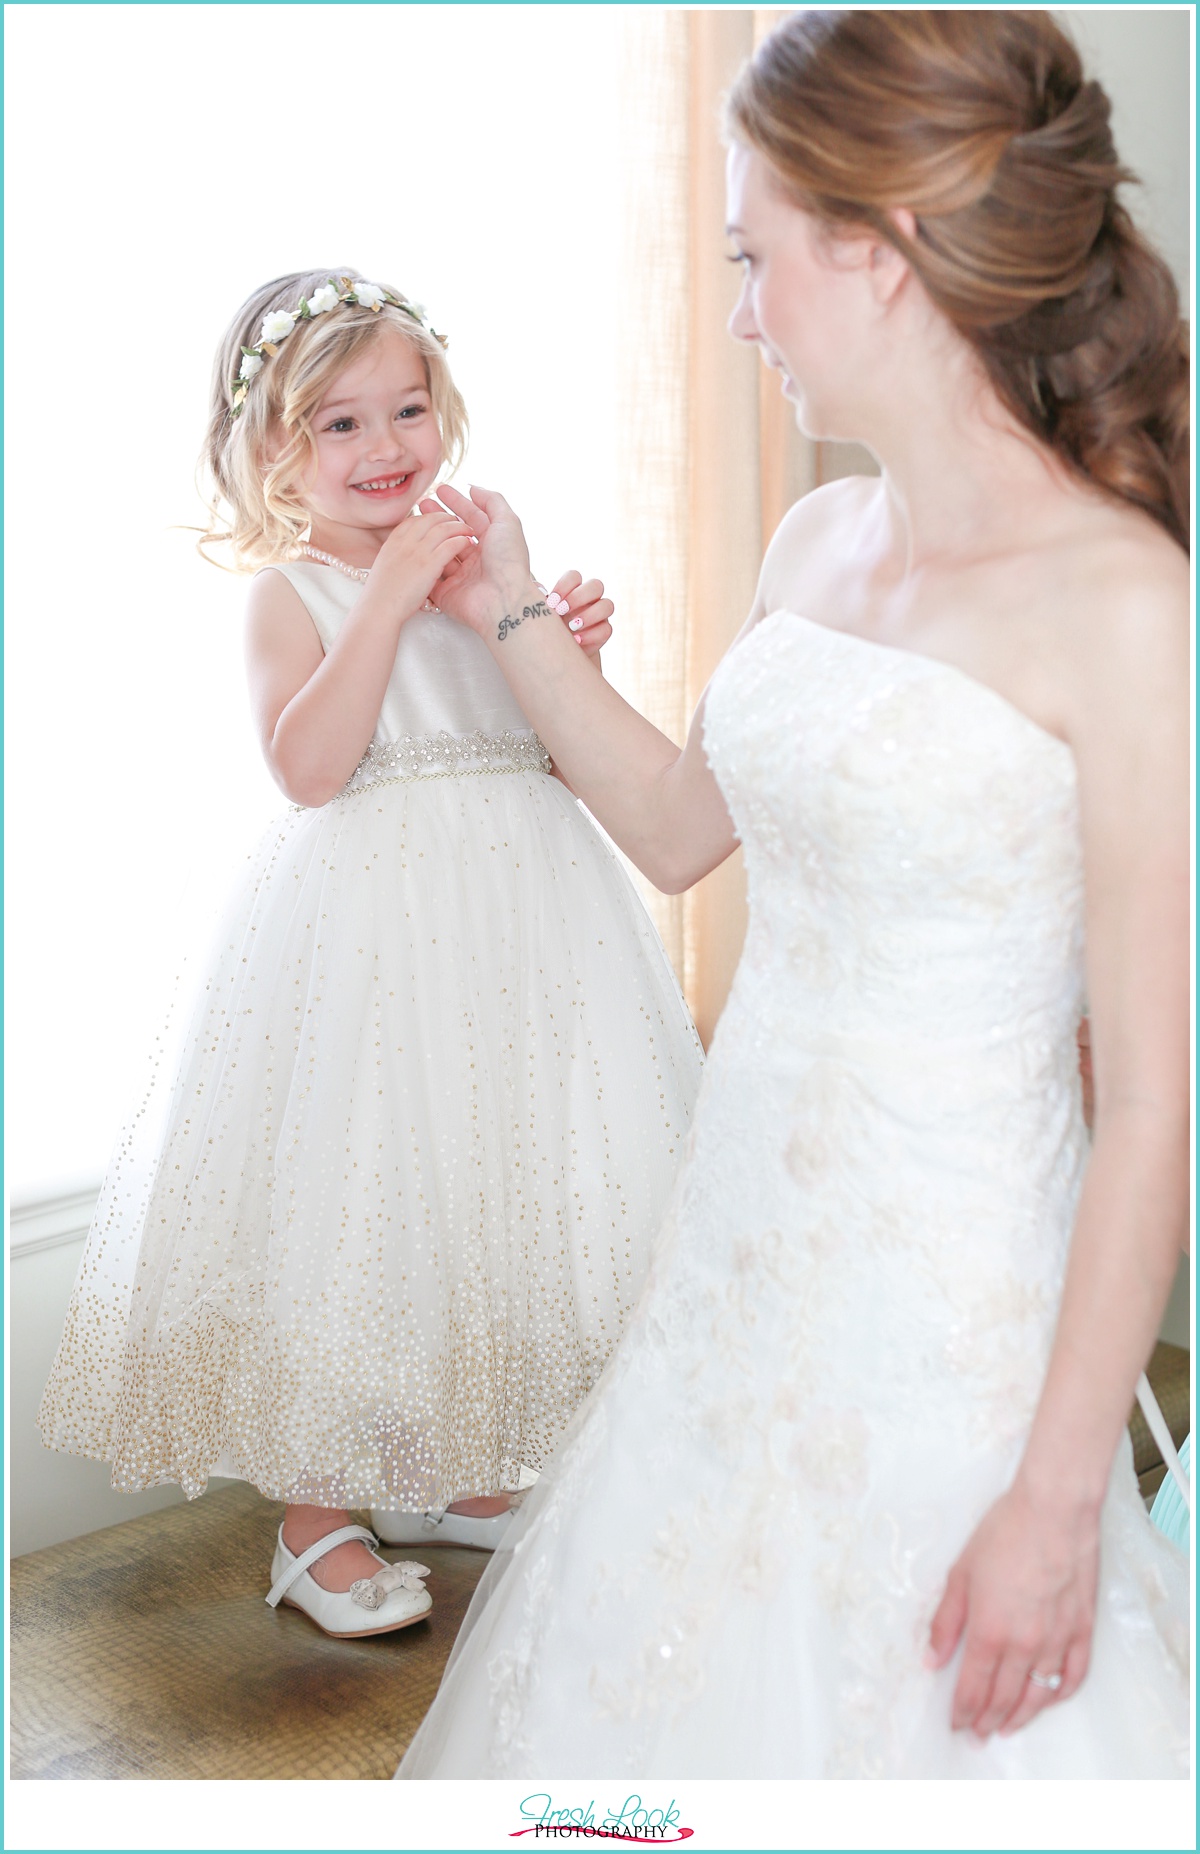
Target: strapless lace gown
730, 1568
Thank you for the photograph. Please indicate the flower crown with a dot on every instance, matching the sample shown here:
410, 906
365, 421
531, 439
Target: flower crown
279, 323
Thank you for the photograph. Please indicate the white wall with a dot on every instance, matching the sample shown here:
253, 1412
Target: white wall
1142, 56
52, 1496
167, 159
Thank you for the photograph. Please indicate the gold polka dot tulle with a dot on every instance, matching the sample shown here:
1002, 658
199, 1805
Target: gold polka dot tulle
376, 1227
373, 1234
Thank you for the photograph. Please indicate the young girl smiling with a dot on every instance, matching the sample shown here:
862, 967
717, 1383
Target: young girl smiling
375, 1237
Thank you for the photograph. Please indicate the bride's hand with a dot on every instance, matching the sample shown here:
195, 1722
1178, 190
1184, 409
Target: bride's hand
491, 576
1023, 1592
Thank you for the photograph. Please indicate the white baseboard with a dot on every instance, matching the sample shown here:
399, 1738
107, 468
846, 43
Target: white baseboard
39, 1223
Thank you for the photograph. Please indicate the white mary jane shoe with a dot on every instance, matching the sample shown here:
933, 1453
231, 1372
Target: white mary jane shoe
393, 1598
441, 1528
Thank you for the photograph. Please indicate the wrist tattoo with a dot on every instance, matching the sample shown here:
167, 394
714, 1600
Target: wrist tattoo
531, 611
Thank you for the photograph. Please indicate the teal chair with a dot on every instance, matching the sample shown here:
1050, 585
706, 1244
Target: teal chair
1169, 1513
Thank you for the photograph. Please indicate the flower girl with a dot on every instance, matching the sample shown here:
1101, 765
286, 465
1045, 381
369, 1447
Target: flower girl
373, 1237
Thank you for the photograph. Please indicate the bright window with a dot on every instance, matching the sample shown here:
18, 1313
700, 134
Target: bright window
163, 161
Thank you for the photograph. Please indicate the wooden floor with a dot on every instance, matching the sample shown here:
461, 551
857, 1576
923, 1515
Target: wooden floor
146, 1650
1170, 1375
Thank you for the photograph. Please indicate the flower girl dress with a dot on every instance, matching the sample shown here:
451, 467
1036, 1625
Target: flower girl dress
372, 1237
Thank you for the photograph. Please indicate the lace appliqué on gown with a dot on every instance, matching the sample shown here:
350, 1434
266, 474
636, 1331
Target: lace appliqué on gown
832, 1371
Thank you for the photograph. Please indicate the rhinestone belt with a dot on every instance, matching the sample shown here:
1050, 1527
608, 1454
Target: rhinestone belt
446, 756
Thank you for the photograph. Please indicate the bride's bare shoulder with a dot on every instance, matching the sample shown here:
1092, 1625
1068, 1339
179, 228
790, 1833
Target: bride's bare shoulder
1125, 569
824, 518
1125, 619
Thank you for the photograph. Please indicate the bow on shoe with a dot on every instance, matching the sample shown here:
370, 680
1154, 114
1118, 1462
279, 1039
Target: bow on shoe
369, 1592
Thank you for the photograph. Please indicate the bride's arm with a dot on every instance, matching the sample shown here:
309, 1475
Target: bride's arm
661, 804
1024, 1589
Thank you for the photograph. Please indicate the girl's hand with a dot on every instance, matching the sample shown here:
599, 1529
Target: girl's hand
587, 611
1024, 1594
483, 582
416, 554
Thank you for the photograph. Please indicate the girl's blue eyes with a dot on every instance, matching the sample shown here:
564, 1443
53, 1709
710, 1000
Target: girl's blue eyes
339, 425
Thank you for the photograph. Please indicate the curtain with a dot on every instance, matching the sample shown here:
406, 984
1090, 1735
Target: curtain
711, 458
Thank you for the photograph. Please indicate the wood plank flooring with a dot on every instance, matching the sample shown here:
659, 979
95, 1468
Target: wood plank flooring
147, 1651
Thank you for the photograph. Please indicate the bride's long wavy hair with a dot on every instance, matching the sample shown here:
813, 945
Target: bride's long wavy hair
983, 125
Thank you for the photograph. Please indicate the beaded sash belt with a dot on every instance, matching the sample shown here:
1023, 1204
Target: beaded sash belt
446, 756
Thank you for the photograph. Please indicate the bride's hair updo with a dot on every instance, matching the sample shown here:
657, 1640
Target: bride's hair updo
983, 125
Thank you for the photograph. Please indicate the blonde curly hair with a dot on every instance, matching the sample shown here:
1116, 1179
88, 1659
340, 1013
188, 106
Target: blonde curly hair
255, 461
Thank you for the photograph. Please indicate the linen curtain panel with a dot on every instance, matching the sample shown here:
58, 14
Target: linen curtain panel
710, 457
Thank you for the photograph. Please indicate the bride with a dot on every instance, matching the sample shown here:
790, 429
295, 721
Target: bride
855, 1496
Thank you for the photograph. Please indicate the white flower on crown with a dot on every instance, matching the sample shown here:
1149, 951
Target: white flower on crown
279, 323
325, 298
276, 325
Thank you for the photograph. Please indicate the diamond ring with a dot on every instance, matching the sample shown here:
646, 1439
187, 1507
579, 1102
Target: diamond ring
1051, 1681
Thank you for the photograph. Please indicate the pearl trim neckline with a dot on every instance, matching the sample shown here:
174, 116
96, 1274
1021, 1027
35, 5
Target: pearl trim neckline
351, 572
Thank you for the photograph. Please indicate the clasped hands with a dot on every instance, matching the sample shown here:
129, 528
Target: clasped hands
497, 558
459, 552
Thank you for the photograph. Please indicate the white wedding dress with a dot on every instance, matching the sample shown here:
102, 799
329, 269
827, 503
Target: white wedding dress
730, 1568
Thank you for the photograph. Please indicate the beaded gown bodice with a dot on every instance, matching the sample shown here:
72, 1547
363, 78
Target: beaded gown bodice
912, 843
907, 1001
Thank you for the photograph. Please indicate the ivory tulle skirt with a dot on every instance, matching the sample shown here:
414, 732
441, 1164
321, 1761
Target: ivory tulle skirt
376, 1228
